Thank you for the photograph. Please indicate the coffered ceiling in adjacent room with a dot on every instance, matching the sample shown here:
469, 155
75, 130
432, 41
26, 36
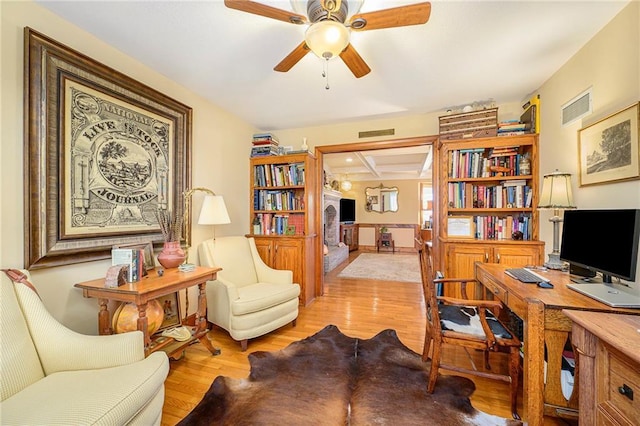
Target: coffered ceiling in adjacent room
381, 165
468, 51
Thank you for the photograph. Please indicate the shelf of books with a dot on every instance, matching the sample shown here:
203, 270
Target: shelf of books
493, 180
280, 194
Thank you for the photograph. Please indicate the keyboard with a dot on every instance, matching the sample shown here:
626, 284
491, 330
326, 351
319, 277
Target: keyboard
525, 275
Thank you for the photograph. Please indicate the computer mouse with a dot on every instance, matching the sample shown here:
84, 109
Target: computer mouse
545, 284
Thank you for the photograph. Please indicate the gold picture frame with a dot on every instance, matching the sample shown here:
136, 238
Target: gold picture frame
103, 152
609, 149
460, 227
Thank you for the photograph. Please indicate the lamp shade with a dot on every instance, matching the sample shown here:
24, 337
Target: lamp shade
327, 38
214, 211
556, 191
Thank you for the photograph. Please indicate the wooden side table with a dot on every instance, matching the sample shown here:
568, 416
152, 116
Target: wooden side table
151, 287
386, 241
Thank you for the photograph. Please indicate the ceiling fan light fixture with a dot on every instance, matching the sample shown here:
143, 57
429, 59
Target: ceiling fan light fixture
327, 39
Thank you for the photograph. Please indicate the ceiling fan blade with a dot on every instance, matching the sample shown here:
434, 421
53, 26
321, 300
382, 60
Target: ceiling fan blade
292, 58
354, 61
265, 10
413, 14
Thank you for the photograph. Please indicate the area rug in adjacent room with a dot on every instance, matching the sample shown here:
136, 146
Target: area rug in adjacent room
385, 267
333, 379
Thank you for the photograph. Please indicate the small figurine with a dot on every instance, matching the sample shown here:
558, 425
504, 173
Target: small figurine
499, 170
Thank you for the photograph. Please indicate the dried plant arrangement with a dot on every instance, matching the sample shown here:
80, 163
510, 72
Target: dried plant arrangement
170, 225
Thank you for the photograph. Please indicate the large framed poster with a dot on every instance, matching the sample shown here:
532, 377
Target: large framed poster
103, 153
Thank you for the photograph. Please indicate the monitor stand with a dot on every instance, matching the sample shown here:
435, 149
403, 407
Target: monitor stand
579, 279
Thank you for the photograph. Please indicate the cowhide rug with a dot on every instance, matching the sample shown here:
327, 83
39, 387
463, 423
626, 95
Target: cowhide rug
333, 379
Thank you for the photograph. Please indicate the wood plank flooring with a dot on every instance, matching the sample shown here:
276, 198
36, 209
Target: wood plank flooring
359, 308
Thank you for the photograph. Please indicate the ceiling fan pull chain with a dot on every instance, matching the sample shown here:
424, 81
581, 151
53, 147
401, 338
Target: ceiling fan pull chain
325, 73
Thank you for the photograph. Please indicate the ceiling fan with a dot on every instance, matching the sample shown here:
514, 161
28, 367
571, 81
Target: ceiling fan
330, 23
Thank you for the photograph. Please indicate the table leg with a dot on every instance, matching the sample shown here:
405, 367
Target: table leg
104, 323
201, 319
143, 323
533, 386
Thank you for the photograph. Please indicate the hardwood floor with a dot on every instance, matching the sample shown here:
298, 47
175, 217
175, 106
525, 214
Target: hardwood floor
359, 308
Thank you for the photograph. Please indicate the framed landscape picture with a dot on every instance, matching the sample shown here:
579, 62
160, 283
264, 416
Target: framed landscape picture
103, 153
608, 150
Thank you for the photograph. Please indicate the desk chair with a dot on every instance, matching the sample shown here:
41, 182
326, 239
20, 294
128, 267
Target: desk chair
472, 324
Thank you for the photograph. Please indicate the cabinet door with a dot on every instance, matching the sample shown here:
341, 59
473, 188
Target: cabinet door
288, 254
520, 255
460, 260
265, 249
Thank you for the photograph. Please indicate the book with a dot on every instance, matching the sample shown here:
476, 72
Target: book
132, 258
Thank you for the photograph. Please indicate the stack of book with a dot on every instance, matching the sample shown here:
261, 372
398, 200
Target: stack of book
513, 128
264, 144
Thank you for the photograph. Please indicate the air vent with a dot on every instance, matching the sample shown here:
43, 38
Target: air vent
577, 108
374, 133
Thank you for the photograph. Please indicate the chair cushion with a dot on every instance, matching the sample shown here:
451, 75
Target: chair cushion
103, 396
465, 319
260, 296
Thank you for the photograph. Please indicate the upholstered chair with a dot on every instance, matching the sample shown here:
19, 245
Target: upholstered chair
52, 375
248, 299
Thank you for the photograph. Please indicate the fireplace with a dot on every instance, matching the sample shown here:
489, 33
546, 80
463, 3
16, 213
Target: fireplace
332, 217
338, 252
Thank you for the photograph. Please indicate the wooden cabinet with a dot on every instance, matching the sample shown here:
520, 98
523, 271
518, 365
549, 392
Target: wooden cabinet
349, 235
282, 212
461, 258
293, 254
609, 359
488, 189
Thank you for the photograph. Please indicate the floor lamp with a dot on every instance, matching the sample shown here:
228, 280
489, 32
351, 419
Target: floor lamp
213, 212
556, 195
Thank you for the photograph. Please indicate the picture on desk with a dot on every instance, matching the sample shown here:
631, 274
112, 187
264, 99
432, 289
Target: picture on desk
171, 307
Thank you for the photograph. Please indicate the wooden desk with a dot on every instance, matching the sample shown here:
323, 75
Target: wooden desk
609, 354
544, 324
151, 287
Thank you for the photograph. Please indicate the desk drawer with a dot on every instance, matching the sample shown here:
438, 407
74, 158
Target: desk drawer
624, 379
496, 289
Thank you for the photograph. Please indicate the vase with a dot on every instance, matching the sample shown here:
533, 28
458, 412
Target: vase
171, 255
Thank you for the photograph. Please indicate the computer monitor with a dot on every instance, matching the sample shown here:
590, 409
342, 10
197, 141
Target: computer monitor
604, 241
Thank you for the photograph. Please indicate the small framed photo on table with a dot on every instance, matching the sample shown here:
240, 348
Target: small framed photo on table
460, 227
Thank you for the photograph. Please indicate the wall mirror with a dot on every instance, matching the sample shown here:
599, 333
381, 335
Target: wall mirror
381, 199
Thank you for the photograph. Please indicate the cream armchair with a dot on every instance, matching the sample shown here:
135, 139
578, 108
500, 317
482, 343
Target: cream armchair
249, 299
53, 375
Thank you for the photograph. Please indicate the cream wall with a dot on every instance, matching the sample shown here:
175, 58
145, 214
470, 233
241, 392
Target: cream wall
221, 143
610, 64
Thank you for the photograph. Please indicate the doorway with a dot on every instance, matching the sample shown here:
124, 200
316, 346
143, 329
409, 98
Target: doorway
320, 152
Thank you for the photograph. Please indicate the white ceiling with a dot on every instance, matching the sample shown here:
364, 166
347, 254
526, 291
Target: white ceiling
383, 164
468, 51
